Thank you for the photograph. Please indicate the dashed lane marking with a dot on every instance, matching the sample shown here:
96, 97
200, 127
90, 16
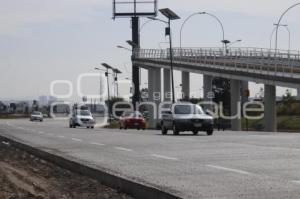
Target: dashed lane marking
97, 144
164, 157
229, 169
123, 149
296, 182
76, 139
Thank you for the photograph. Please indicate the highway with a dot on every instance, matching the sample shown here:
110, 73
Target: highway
225, 165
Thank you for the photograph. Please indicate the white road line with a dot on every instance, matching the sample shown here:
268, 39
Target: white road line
97, 144
164, 157
123, 149
76, 140
229, 169
8, 124
61, 136
296, 181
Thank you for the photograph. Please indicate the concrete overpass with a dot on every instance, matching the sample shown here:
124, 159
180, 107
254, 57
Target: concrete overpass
240, 65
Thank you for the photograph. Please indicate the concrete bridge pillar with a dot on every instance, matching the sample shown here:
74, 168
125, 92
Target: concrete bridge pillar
154, 91
207, 90
270, 109
245, 87
235, 93
167, 85
185, 80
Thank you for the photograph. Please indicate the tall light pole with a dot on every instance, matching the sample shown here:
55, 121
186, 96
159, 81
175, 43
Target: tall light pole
116, 72
289, 32
108, 67
96, 68
202, 13
170, 15
279, 22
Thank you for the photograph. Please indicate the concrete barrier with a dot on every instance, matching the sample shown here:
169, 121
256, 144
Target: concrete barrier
135, 189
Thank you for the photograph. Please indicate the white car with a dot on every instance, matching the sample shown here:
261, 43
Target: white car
82, 118
36, 116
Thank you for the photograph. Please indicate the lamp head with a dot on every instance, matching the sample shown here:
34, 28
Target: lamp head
169, 14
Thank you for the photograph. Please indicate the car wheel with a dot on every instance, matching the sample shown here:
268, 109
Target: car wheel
209, 132
175, 130
125, 127
164, 130
195, 132
87, 127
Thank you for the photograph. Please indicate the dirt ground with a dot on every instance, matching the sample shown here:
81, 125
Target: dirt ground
24, 176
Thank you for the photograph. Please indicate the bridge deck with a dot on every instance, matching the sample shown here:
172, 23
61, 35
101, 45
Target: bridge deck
263, 67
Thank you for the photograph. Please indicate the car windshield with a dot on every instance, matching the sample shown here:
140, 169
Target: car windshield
183, 109
36, 113
198, 110
84, 113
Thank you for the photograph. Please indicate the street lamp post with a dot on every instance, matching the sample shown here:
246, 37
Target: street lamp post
289, 32
108, 91
100, 79
279, 22
170, 15
116, 72
202, 13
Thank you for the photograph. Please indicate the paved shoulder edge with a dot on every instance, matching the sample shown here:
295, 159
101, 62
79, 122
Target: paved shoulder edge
134, 189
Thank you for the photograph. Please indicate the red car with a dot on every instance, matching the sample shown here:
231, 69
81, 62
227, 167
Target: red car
132, 120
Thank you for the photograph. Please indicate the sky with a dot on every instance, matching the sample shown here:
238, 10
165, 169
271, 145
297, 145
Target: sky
46, 40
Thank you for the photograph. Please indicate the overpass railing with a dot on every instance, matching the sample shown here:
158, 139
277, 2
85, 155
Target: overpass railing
258, 60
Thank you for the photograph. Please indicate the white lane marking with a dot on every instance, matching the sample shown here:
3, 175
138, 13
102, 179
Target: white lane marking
76, 139
229, 169
296, 181
61, 136
164, 157
123, 149
8, 124
97, 144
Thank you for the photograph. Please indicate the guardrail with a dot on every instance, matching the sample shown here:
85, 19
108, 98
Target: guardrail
253, 60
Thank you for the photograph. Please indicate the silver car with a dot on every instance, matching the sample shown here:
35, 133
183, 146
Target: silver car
186, 117
82, 118
36, 116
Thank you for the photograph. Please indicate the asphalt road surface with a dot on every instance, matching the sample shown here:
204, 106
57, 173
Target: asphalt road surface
225, 165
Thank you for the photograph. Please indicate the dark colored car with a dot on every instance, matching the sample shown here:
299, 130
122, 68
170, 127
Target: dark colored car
132, 120
186, 117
